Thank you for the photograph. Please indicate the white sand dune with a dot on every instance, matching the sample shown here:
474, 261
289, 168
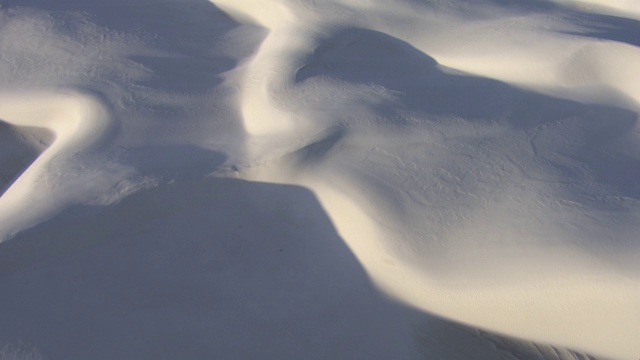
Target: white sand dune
77, 124
358, 179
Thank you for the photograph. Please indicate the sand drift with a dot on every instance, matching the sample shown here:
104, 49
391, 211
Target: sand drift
301, 179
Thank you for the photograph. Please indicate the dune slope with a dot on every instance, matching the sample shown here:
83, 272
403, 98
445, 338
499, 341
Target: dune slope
320, 179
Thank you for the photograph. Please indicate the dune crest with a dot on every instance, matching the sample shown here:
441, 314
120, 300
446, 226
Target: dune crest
78, 124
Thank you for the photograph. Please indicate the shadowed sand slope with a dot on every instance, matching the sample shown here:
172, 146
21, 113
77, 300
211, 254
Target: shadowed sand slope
210, 268
441, 181
216, 268
19, 147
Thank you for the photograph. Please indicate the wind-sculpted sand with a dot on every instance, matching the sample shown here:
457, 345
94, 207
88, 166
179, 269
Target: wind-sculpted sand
357, 179
77, 124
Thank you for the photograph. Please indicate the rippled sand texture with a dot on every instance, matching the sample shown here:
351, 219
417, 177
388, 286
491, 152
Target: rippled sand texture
320, 179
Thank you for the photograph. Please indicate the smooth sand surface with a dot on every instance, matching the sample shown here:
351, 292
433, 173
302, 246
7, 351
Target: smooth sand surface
304, 179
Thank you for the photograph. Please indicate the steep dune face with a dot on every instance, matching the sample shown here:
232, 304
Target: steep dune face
443, 181
320, 179
20, 147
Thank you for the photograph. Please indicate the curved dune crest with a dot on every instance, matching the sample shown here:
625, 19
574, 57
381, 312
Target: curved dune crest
267, 66
494, 256
77, 122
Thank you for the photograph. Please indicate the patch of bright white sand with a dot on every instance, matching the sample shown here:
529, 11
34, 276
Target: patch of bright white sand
479, 159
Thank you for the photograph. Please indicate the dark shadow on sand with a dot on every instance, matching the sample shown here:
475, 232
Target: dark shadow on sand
19, 148
203, 269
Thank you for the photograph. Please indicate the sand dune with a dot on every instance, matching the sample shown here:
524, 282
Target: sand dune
320, 179
77, 124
